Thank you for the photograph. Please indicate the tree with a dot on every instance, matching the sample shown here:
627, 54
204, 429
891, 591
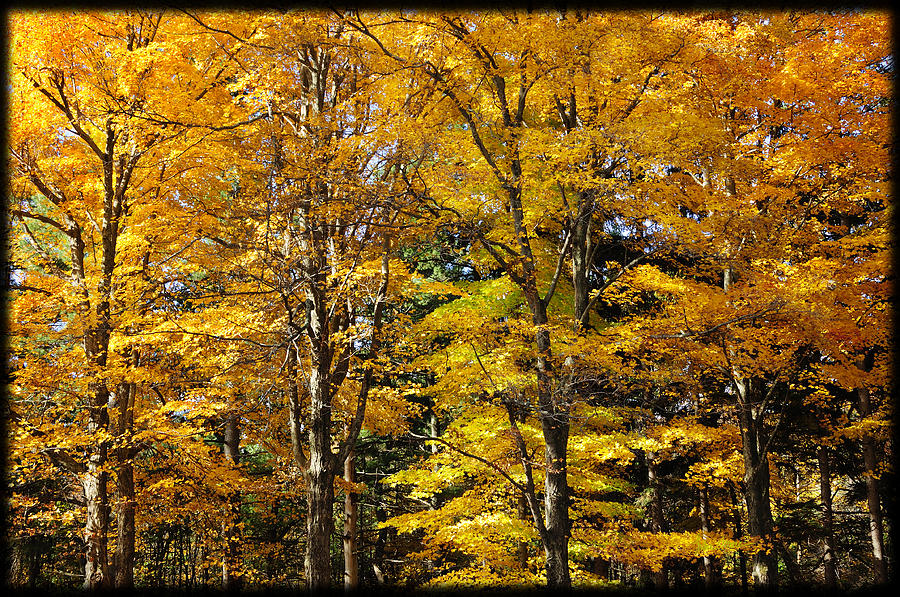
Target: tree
770, 192
107, 110
495, 73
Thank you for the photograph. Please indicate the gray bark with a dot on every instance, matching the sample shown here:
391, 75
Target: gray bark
657, 521
231, 560
828, 558
873, 492
756, 482
322, 464
351, 520
581, 256
320, 472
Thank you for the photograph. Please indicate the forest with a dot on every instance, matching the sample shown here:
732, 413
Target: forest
568, 298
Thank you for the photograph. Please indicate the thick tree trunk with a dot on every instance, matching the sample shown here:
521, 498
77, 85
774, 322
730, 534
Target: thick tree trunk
556, 501
231, 562
96, 349
828, 557
657, 522
319, 484
94, 482
554, 419
873, 493
125, 526
96, 478
351, 520
756, 484
319, 526
123, 558
320, 468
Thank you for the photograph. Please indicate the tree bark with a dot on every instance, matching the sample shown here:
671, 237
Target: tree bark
581, 266
232, 579
96, 478
96, 567
319, 481
873, 492
123, 559
657, 522
125, 525
553, 412
828, 558
556, 501
710, 565
756, 483
351, 520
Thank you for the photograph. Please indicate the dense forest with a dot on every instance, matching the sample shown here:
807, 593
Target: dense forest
566, 298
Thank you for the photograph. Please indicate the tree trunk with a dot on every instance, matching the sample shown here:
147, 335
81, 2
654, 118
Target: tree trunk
96, 478
553, 413
756, 484
351, 519
601, 567
657, 522
827, 517
319, 526
319, 483
96, 566
710, 572
231, 561
556, 502
581, 267
123, 559
125, 525
873, 493
320, 468
555, 426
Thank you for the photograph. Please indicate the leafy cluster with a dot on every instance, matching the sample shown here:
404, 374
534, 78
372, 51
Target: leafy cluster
488, 297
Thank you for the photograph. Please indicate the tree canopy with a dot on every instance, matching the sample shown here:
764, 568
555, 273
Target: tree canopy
481, 297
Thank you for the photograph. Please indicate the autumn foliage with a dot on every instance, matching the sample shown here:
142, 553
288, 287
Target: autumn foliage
490, 297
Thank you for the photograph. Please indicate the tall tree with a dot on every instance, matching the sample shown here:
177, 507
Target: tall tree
317, 254
107, 107
769, 193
